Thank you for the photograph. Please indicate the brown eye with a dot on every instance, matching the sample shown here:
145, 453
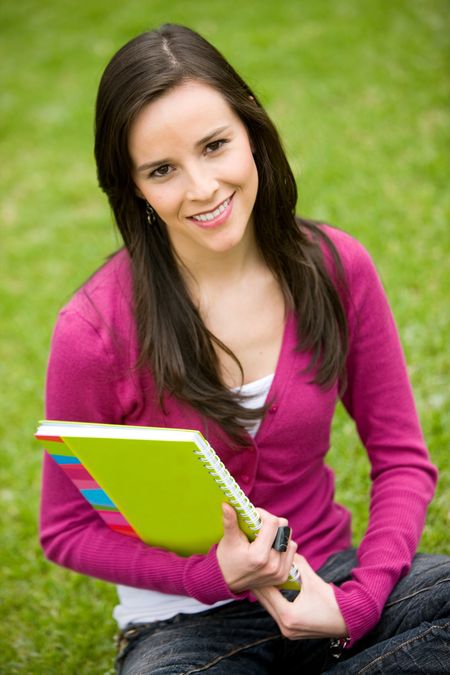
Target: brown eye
161, 171
215, 145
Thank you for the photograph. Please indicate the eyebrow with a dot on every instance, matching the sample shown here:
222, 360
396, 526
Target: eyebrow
214, 133
160, 162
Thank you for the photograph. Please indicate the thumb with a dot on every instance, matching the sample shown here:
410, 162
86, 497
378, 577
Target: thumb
230, 522
307, 574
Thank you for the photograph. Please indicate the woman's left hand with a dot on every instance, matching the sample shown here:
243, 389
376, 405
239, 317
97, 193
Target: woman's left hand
313, 614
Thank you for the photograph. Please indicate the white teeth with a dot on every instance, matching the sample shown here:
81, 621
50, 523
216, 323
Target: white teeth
204, 217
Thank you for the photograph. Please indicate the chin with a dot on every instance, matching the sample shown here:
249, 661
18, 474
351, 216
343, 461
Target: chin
227, 244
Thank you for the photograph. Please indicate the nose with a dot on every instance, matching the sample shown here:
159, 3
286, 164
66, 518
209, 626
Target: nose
201, 183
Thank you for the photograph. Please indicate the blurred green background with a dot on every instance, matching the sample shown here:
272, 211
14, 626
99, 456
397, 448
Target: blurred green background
360, 94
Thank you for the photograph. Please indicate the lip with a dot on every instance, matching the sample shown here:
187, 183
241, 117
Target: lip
219, 219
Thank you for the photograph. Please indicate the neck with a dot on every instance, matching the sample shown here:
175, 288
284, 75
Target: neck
220, 268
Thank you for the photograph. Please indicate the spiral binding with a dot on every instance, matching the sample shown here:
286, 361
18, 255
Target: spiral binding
235, 495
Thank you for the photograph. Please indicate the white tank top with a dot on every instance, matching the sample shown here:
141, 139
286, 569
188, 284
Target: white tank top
141, 606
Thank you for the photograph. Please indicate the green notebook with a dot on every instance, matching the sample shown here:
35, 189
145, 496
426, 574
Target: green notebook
164, 486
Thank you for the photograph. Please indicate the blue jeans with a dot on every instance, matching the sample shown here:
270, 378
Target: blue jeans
240, 638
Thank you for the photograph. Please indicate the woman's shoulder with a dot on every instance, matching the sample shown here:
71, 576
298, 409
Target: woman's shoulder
97, 324
93, 347
346, 244
352, 254
106, 296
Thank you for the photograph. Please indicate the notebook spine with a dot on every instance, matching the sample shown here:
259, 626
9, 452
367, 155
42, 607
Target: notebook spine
235, 495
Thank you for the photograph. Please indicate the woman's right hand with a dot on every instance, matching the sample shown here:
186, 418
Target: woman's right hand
253, 564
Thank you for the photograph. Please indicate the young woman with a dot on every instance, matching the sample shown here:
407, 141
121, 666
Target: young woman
226, 313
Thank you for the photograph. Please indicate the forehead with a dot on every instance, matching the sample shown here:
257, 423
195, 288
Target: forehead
181, 116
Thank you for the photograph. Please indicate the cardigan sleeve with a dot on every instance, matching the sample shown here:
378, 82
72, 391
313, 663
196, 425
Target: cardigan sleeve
380, 400
82, 386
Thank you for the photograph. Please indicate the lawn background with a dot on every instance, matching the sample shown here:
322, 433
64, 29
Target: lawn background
359, 92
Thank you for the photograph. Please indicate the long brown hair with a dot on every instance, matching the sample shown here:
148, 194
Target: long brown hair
173, 340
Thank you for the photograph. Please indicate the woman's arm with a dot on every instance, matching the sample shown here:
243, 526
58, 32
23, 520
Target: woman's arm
88, 381
84, 383
379, 398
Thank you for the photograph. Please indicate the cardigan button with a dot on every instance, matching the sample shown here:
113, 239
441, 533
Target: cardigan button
245, 478
273, 409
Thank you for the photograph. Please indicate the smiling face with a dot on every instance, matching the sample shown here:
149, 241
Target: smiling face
192, 161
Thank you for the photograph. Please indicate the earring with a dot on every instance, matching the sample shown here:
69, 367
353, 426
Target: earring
150, 213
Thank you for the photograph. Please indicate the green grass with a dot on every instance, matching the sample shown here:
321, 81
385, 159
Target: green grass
359, 93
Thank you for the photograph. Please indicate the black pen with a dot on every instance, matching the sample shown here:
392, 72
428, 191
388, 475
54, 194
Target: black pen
281, 540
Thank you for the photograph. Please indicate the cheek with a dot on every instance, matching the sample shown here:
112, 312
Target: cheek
244, 171
251, 173
165, 202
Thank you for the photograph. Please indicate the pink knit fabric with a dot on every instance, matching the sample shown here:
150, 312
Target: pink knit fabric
91, 378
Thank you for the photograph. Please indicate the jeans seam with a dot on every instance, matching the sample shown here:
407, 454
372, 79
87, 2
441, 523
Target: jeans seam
401, 646
208, 665
413, 595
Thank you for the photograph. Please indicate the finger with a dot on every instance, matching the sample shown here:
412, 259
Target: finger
280, 609
269, 528
310, 579
303, 566
271, 599
266, 515
282, 612
271, 596
231, 530
289, 557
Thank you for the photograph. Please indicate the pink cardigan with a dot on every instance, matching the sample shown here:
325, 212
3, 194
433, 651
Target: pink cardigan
91, 378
